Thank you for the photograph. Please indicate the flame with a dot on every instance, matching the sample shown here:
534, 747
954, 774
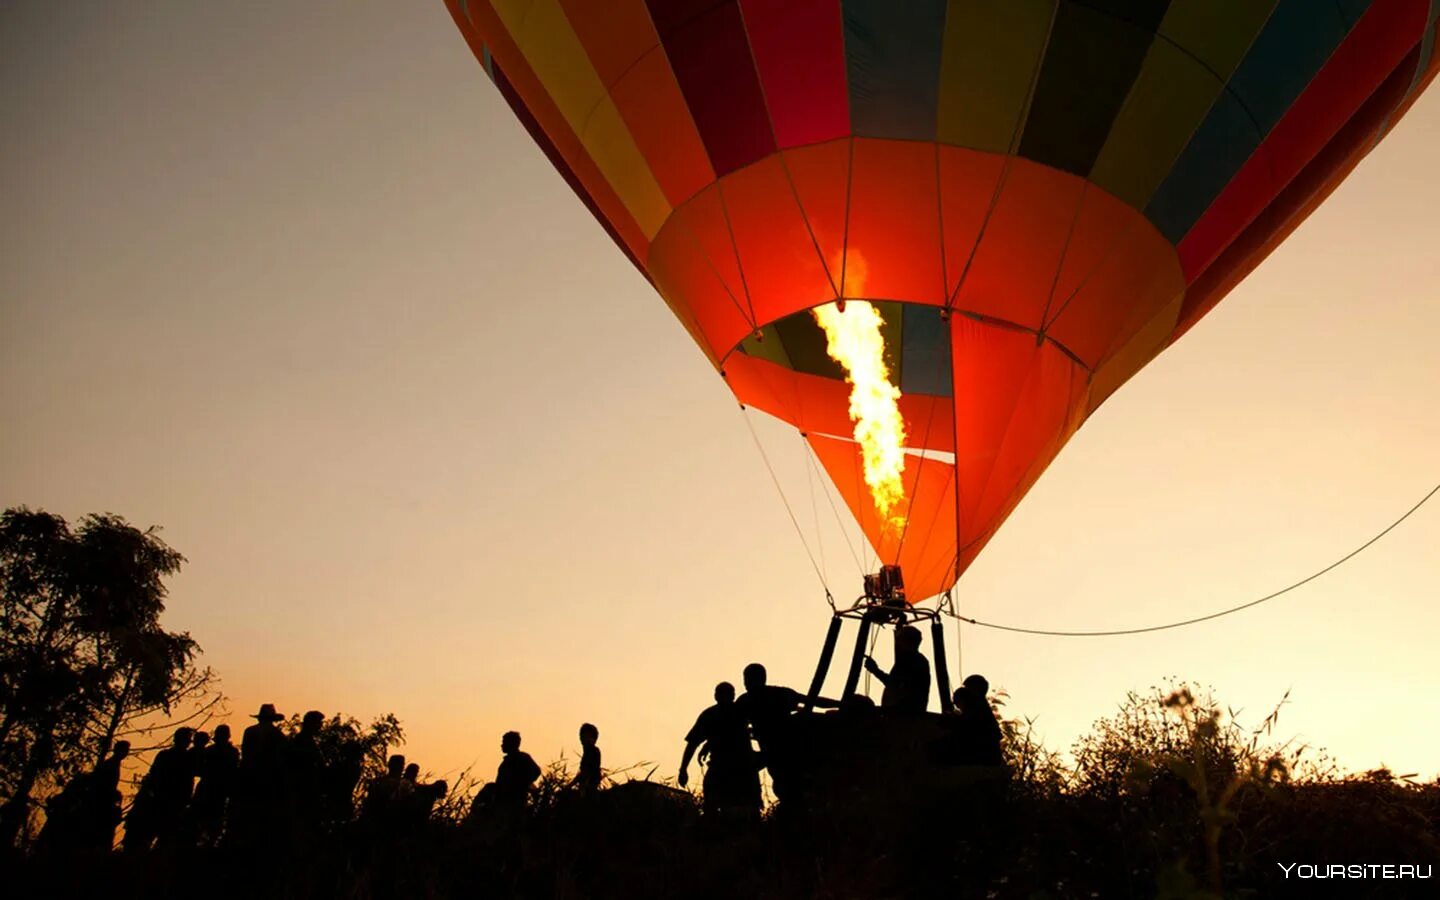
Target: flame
853, 339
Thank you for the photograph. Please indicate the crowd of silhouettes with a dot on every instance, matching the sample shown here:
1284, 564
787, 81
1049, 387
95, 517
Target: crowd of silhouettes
203, 789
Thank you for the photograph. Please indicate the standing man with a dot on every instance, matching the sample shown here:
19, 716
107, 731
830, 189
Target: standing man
588, 780
979, 734
102, 800
257, 809
769, 709
732, 778
159, 809
218, 769
306, 774
907, 684
517, 773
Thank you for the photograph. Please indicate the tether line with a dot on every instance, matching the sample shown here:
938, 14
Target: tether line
1215, 615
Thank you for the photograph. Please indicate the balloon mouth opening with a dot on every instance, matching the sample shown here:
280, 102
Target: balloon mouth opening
916, 340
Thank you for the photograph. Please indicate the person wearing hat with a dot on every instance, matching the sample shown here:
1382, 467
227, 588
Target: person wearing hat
263, 744
258, 807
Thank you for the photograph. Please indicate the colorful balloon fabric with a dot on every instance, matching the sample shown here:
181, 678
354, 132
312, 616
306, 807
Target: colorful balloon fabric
1038, 196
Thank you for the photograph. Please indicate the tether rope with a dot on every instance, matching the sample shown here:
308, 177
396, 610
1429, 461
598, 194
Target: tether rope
1215, 615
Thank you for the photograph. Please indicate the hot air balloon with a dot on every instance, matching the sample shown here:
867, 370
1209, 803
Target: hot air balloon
1035, 196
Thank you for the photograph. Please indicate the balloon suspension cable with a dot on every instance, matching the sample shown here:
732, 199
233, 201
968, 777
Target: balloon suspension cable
946, 607
1215, 615
870, 651
815, 510
834, 510
799, 532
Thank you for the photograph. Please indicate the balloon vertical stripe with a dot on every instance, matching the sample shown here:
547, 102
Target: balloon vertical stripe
1090, 63
892, 53
1378, 44
800, 53
711, 57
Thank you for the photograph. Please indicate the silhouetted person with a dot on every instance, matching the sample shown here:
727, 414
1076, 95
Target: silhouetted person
907, 684
103, 801
63, 815
385, 794
257, 809
768, 708
502, 802
262, 751
588, 781
422, 803
198, 742
159, 809
977, 733
732, 778
438, 791
516, 774
306, 773
83, 816
342, 777
107, 772
412, 775
219, 768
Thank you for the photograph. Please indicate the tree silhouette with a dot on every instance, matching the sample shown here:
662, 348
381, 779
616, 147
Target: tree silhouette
83, 657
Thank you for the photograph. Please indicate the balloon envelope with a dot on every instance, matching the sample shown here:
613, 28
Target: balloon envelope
1038, 195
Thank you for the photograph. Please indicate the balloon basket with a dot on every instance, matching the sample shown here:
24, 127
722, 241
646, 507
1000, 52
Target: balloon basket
879, 608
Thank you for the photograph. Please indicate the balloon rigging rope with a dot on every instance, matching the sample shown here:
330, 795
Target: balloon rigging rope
814, 507
870, 651
849, 545
799, 532
1215, 615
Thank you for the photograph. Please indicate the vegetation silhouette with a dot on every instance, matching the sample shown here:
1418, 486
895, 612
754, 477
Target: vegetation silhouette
1169, 797
84, 661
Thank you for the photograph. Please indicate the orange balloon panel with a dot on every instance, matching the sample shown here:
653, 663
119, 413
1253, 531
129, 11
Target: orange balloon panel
1037, 197
924, 547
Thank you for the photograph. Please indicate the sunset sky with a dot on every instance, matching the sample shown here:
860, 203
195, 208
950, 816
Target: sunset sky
290, 281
